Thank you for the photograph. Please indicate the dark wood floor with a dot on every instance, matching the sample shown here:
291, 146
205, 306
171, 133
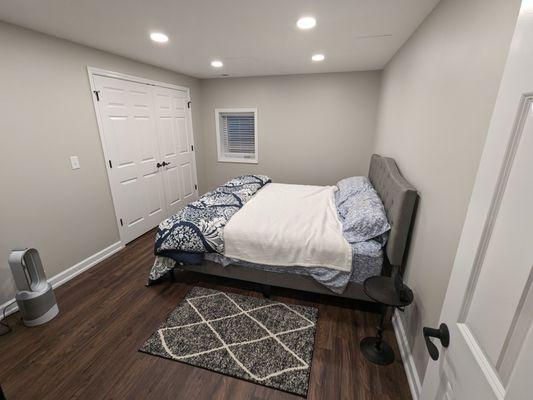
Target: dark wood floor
90, 350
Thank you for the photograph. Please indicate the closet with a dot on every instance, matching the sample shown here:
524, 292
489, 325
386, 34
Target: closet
146, 133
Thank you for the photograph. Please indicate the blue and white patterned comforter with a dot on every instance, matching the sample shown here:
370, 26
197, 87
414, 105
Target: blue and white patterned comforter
199, 227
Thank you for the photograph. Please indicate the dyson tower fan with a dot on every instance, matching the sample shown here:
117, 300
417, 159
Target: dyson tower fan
35, 296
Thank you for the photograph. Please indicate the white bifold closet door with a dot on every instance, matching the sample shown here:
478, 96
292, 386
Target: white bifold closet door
175, 137
149, 149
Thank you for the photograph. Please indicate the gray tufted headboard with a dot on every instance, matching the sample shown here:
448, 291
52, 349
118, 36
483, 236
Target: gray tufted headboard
399, 198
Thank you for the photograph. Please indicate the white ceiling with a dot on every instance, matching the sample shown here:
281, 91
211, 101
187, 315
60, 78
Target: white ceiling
251, 37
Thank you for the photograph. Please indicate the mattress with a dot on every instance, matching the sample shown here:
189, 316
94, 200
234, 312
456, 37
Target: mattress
289, 225
367, 261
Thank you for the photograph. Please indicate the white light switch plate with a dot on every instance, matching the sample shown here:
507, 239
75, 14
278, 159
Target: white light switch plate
74, 162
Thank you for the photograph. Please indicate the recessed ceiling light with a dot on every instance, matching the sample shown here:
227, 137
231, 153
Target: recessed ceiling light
217, 64
318, 57
306, 23
159, 37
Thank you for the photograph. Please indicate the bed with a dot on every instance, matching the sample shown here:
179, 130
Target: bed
251, 255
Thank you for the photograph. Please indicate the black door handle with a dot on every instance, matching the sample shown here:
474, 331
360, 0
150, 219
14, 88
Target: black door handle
159, 165
165, 163
443, 334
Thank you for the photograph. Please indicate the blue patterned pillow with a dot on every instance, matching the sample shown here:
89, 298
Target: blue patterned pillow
363, 216
351, 186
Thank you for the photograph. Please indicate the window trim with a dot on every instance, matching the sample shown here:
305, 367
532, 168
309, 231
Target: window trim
220, 153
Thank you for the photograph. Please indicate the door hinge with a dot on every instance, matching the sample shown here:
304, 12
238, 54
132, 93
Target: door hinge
97, 93
192, 147
196, 187
121, 223
110, 164
189, 104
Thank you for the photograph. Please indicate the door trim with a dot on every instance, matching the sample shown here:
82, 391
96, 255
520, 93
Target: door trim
137, 79
409, 365
94, 71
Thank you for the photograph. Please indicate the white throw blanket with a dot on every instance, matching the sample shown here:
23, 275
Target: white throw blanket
289, 225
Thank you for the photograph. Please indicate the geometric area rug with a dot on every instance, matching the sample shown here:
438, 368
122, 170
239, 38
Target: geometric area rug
262, 341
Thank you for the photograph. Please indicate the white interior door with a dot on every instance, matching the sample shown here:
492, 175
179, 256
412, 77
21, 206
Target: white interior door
177, 147
489, 303
129, 131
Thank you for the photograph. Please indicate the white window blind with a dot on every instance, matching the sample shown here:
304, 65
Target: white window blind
237, 135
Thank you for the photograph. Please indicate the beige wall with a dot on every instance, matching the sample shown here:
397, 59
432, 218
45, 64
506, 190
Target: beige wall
437, 97
47, 115
313, 129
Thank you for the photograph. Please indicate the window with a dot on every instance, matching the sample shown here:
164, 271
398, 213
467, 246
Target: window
236, 134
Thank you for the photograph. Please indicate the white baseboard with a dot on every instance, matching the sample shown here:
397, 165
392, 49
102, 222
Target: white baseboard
413, 377
84, 265
70, 273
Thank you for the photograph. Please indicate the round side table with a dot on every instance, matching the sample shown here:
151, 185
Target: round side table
390, 293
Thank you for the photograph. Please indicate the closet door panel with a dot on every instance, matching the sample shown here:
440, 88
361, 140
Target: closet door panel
168, 140
188, 185
171, 114
184, 158
143, 129
129, 130
181, 130
173, 189
186, 152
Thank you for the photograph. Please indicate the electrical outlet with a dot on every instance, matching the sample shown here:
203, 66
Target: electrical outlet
74, 162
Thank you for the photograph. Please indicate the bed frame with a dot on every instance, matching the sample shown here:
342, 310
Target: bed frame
400, 200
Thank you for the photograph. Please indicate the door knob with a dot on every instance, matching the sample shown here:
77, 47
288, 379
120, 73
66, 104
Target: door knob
159, 165
165, 163
443, 334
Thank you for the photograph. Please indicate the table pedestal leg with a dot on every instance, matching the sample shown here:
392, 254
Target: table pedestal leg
374, 348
